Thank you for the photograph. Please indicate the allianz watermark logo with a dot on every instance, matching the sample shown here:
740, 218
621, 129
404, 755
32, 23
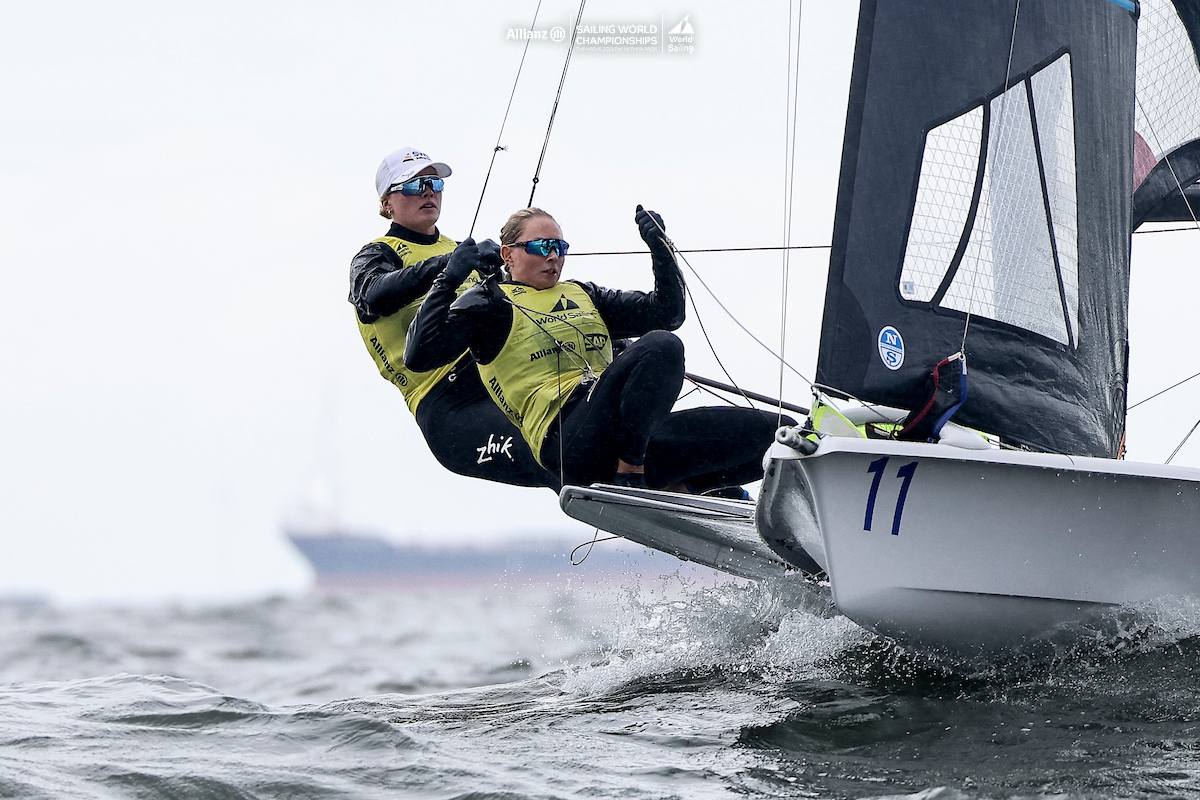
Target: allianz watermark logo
629, 36
555, 34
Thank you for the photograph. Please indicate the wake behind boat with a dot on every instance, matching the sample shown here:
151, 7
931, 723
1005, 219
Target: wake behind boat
996, 161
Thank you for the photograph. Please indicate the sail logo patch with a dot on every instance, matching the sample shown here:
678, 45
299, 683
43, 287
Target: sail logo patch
564, 304
891, 348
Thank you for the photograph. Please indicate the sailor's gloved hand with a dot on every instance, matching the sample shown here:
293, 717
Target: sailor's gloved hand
490, 262
653, 231
466, 257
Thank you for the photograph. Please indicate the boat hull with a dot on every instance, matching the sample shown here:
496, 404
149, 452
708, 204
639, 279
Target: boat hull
988, 550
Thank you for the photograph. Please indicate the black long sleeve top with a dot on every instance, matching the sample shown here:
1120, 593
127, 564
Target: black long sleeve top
480, 319
380, 284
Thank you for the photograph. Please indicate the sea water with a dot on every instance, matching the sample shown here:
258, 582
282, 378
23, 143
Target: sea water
630, 687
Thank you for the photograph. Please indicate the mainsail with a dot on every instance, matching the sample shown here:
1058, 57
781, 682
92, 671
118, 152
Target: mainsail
985, 203
1167, 141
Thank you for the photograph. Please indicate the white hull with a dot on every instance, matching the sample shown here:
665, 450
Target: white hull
990, 548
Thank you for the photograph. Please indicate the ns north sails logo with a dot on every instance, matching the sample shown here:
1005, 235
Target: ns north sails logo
891, 348
496, 445
564, 304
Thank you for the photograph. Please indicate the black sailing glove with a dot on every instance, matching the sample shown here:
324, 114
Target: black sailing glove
490, 262
653, 231
466, 257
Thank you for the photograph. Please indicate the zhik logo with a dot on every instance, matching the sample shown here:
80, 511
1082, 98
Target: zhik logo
495, 444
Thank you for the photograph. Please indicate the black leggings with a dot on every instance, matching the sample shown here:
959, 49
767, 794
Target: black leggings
706, 448
614, 418
628, 416
469, 435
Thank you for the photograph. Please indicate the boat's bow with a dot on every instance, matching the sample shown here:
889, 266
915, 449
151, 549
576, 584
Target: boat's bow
937, 545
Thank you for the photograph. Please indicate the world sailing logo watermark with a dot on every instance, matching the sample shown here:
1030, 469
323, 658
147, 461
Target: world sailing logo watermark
681, 38
625, 36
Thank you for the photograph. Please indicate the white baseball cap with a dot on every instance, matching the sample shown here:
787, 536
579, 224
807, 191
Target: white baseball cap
402, 165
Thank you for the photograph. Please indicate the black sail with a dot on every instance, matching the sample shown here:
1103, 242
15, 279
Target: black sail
986, 190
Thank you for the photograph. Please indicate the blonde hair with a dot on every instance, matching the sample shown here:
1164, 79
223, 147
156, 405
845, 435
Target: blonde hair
512, 230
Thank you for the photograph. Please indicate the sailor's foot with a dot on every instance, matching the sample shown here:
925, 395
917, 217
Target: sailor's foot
729, 493
634, 480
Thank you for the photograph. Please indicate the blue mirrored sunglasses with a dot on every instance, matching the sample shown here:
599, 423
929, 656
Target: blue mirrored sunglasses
417, 185
543, 247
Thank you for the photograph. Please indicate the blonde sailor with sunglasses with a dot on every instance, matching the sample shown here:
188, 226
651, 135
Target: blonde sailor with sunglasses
544, 349
389, 277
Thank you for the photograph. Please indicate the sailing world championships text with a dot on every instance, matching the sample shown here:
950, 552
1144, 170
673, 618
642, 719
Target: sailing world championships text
638, 35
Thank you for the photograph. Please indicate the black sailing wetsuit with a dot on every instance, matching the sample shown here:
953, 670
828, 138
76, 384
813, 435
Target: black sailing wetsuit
465, 430
624, 414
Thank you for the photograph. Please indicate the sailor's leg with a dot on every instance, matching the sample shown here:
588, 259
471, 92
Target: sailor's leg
469, 435
711, 447
634, 394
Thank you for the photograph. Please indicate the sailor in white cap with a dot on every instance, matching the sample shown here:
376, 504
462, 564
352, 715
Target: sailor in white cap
390, 276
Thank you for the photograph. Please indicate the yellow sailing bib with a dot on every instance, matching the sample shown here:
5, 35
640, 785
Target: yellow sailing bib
385, 337
557, 338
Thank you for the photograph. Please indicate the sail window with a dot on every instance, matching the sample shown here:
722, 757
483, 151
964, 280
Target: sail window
1168, 80
944, 193
1019, 243
1056, 140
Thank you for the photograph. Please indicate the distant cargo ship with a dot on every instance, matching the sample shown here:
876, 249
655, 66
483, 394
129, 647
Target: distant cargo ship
350, 560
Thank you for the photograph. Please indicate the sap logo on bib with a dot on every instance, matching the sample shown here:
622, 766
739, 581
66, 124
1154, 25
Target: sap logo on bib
891, 348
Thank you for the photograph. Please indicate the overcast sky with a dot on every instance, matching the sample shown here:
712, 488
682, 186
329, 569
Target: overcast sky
182, 189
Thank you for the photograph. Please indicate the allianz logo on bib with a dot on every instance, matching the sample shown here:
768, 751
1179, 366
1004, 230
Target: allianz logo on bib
891, 348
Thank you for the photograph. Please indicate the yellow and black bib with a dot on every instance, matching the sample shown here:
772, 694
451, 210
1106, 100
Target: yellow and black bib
557, 337
385, 337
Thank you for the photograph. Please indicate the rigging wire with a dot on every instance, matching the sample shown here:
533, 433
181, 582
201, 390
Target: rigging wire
1175, 452
706, 250
557, 97
708, 341
1164, 391
1168, 230
1196, 224
707, 384
1012, 44
1167, 159
504, 122
589, 545
589, 375
789, 188
705, 390
723, 307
